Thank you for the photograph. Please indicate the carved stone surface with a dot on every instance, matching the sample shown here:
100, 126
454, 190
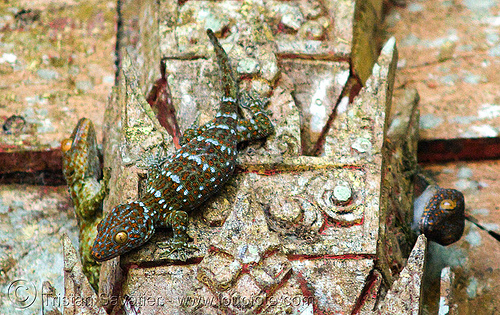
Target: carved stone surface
290, 221
80, 297
405, 294
289, 233
315, 28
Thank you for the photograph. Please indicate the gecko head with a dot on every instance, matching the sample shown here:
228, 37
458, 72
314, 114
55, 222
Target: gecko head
80, 156
443, 218
126, 227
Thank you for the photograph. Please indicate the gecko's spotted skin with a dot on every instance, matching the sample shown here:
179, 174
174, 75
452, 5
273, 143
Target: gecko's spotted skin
82, 171
439, 214
195, 172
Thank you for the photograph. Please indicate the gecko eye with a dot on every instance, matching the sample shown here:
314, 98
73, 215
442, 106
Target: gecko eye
120, 237
448, 204
66, 145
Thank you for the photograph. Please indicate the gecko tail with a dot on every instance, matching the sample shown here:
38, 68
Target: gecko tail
229, 83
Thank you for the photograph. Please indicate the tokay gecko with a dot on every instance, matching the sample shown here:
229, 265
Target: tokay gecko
439, 214
195, 172
82, 171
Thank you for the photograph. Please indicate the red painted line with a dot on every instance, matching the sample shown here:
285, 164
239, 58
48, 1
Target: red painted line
370, 282
344, 257
339, 224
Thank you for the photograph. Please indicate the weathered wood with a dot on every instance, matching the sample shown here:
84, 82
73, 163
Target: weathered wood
366, 37
450, 150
